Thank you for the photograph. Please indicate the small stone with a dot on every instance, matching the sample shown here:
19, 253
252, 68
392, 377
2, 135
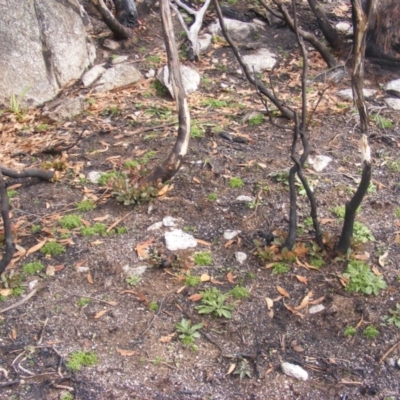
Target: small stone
82, 268
156, 226
344, 27
33, 284
179, 240
260, 61
119, 60
94, 176
204, 42
244, 199
240, 257
393, 87
170, 221
347, 94
129, 271
320, 162
65, 109
393, 103
111, 44
150, 74
229, 234
92, 75
117, 76
294, 371
190, 79
316, 309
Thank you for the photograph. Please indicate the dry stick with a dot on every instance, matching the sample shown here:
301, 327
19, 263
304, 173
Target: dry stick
357, 80
86, 297
155, 316
165, 172
5, 214
391, 349
286, 112
24, 299
322, 49
58, 148
118, 221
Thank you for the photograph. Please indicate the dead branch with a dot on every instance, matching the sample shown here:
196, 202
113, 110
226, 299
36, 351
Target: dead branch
286, 112
323, 50
28, 173
59, 147
357, 80
5, 214
113, 24
192, 32
163, 173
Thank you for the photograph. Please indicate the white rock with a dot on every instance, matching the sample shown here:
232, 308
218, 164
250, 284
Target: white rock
240, 257
179, 240
244, 199
316, 309
393, 103
294, 371
111, 44
94, 176
170, 221
129, 271
241, 32
33, 284
262, 60
64, 109
82, 268
229, 234
344, 27
320, 162
204, 42
156, 226
190, 78
393, 87
93, 74
347, 94
150, 74
119, 60
118, 76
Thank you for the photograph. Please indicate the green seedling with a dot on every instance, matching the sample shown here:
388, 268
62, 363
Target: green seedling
235, 183
86, 205
79, 359
317, 262
153, 306
71, 221
256, 120
243, 369
239, 292
370, 332
362, 279
153, 59
280, 268
36, 229
83, 301
53, 249
33, 267
133, 280
97, 229
188, 333
394, 316
382, 122
280, 176
12, 193
213, 302
66, 396
192, 280
196, 132
203, 258
212, 196
349, 331
42, 127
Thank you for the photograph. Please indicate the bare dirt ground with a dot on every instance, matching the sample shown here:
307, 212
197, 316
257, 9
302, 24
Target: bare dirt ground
84, 302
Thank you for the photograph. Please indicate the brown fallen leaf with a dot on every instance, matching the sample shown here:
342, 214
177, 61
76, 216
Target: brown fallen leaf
125, 353
229, 243
376, 271
317, 301
36, 247
325, 221
302, 279
231, 369
13, 333
270, 265
50, 270
205, 278
215, 282
101, 219
270, 302
382, 259
230, 277
196, 297
181, 289
304, 303
142, 248
164, 190
282, 291
5, 292
101, 313
142, 297
168, 338
362, 257
195, 180
89, 278
199, 241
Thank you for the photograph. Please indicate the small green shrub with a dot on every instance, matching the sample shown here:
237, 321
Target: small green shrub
32, 267
153, 306
317, 262
12, 193
192, 280
86, 205
239, 292
235, 183
83, 301
133, 280
36, 229
212, 196
188, 332
362, 279
349, 331
203, 258
243, 369
70, 221
79, 359
196, 132
370, 332
213, 302
280, 268
66, 396
97, 229
53, 249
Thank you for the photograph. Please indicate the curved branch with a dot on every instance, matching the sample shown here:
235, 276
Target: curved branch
28, 173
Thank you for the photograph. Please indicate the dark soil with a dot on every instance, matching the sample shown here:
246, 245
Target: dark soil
139, 354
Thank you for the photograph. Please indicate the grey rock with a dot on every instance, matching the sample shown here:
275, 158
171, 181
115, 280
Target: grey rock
156, 226
241, 32
230, 234
111, 44
240, 257
393, 87
190, 78
137, 271
170, 221
118, 76
244, 199
179, 240
392, 103
44, 46
320, 162
65, 109
347, 94
204, 41
93, 74
150, 74
344, 27
316, 309
261, 60
294, 371
94, 176
119, 60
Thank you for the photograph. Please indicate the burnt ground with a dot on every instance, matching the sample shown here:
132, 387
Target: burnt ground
84, 302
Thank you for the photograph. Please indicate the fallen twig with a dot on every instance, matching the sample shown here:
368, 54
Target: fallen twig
110, 303
24, 299
391, 349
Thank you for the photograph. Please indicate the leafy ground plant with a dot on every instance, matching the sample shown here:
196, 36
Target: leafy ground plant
394, 316
349, 331
71, 221
362, 279
235, 183
97, 229
239, 292
53, 249
85, 205
280, 268
213, 302
133, 280
33, 267
79, 359
243, 369
188, 332
192, 280
370, 332
203, 258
